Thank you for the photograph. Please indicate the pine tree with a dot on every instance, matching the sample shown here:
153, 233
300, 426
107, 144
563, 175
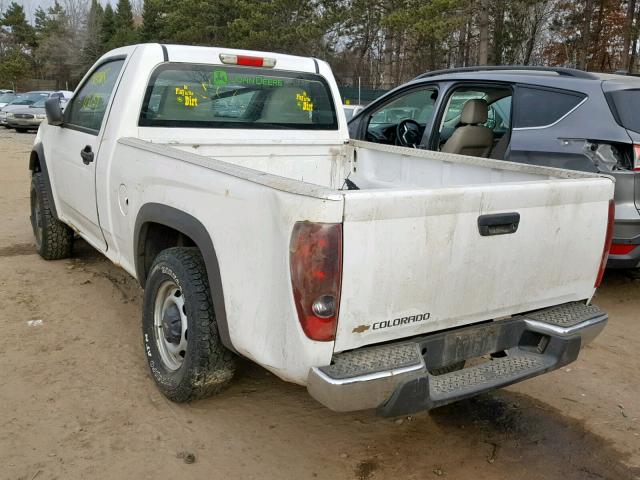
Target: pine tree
107, 27
22, 34
53, 57
92, 48
124, 15
125, 33
151, 29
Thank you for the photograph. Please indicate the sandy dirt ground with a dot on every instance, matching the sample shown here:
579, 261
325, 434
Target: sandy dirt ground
77, 400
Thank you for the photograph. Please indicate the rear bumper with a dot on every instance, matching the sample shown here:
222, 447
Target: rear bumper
396, 379
629, 259
626, 232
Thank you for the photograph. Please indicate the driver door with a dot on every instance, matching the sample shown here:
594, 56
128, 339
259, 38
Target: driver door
388, 123
75, 149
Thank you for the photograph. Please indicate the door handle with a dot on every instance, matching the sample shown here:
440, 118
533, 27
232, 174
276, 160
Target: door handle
498, 223
87, 155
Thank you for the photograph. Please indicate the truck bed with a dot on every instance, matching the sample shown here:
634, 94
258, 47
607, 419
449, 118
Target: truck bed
412, 247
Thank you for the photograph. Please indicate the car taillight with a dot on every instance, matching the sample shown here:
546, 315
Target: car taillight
247, 61
636, 158
621, 248
316, 272
607, 243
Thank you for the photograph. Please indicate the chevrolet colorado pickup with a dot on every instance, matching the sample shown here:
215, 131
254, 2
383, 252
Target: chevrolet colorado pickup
378, 276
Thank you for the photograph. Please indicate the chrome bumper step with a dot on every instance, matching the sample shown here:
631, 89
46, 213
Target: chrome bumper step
395, 378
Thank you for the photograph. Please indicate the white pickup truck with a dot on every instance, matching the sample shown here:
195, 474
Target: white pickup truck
225, 182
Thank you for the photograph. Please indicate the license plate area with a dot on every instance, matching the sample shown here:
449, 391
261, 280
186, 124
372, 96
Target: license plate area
454, 346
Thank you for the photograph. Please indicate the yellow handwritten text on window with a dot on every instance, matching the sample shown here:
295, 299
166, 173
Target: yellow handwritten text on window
186, 97
304, 101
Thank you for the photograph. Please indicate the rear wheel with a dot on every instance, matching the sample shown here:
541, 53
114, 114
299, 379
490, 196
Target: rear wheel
184, 351
21, 130
54, 239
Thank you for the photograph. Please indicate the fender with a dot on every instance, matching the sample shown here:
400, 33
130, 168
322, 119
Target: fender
193, 228
37, 163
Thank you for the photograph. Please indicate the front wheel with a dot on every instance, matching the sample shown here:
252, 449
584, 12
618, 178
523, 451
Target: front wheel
54, 239
183, 347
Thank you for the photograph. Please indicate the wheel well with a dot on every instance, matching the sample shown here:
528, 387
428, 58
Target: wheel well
156, 237
34, 162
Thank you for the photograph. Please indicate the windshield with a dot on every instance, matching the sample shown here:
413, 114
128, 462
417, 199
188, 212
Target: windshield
39, 103
28, 98
7, 97
212, 96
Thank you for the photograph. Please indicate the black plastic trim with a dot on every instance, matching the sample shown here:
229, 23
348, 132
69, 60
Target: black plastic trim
165, 53
317, 66
498, 223
194, 229
38, 150
627, 241
561, 71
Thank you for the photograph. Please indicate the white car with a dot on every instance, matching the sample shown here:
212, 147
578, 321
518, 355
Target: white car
225, 182
351, 110
6, 98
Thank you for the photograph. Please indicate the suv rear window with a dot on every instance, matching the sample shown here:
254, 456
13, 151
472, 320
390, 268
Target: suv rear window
538, 107
625, 106
213, 96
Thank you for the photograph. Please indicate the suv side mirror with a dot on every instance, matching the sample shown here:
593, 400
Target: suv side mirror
53, 111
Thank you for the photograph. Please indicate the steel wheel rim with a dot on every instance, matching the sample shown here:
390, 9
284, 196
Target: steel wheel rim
36, 219
170, 325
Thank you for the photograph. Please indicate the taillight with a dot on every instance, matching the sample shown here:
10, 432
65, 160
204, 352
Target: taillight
316, 272
247, 60
607, 243
636, 158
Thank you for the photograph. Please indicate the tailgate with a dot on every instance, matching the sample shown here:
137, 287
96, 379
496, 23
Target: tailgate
415, 261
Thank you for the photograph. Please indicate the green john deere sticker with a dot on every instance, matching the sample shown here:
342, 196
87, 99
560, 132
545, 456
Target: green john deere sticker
219, 78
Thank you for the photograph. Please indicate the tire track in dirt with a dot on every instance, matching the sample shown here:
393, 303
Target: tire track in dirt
18, 249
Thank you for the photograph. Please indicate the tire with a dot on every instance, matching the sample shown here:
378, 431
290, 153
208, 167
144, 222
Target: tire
21, 130
54, 239
185, 355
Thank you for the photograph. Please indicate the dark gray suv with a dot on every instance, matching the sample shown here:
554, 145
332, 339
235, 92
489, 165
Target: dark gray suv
557, 117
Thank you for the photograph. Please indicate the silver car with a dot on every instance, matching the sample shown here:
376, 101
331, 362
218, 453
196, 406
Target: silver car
22, 101
29, 117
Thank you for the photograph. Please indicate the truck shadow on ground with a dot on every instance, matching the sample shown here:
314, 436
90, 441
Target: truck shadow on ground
502, 434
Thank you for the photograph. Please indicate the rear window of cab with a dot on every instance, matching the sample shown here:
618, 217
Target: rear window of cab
217, 96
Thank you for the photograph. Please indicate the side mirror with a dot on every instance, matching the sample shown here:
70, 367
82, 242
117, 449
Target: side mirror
53, 111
